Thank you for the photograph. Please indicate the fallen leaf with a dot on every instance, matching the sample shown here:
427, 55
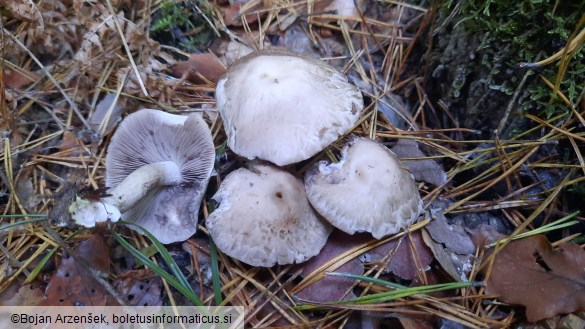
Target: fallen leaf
330, 288
452, 236
140, 288
408, 259
232, 14
426, 170
18, 79
234, 50
73, 285
456, 265
102, 119
27, 295
296, 40
484, 235
548, 282
204, 65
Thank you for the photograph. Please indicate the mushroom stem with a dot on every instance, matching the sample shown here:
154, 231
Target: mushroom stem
124, 196
135, 186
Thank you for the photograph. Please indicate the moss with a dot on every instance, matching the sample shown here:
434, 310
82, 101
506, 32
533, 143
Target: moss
178, 23
526, 31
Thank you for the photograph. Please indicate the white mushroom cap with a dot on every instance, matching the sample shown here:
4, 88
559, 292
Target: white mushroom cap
158, 166
285, 108
367, 191
264, 218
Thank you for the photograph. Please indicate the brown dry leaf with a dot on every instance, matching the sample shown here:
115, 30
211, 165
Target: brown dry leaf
548, 282
27, 295
330, 288
410, 258
17, 79
232, 14
204, 64
73, 285
26, 11
484, 235
140, 288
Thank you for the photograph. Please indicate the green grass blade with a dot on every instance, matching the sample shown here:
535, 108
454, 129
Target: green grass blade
382, 297
158, 270
379, 282
22, 222
215, 274
558, 224
33, 274
214, 262
21, 215
165, 255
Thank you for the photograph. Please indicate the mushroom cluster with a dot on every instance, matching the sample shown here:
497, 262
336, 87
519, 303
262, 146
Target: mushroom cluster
285, 108
157, 167
277, 107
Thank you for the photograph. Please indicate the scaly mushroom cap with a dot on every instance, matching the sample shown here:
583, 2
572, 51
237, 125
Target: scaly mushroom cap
367, 191
169, 211
264, 218
285, 108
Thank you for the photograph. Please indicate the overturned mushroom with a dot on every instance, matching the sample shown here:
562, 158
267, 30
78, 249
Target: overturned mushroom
264, 218
285, 108
367, 191
158, 166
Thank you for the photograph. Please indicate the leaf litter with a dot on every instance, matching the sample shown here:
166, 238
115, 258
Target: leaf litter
72, 77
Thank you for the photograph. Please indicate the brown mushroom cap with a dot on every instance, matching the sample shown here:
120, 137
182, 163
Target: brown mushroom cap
181, 145
285, 108
264, 218
367, 191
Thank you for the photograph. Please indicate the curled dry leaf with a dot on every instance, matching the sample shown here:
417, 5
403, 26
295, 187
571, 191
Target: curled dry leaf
547, 281
456, 265
73, 284
204, 65
426, 170
452, 237
330, 289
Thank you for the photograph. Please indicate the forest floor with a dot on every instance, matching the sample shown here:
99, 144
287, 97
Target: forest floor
499, 243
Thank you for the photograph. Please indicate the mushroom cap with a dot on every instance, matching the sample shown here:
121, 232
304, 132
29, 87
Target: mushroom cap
367, 191
285, 108
264, 218
149, 136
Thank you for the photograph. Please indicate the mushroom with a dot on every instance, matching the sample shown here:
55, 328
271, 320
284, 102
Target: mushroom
264, 218
285, 108
158, 166
367, 191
